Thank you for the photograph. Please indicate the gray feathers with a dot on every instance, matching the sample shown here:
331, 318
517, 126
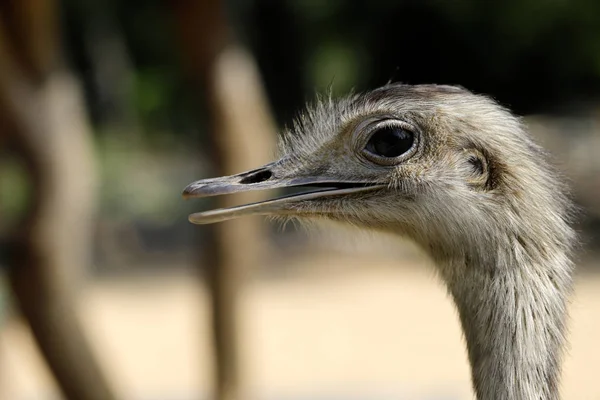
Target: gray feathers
481, 198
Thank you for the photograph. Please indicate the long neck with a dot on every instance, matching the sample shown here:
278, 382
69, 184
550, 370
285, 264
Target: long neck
513, 317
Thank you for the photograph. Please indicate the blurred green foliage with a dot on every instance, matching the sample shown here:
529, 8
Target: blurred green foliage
534, 55
138, 178
14, 191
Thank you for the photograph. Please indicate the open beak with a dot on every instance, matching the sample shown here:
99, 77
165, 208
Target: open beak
267, 178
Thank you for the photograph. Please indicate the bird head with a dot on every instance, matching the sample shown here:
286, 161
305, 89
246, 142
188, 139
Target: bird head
448, 168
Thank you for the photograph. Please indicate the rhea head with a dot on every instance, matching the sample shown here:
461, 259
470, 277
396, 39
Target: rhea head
449, 169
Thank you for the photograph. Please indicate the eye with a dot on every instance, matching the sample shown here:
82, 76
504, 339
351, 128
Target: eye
390, 142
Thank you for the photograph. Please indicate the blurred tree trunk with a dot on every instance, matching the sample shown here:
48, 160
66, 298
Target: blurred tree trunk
42, 117
242, 136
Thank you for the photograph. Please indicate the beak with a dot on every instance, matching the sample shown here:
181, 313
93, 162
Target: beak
267, 178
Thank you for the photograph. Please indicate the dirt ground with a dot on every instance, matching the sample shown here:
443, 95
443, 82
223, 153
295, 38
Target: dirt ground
352, 331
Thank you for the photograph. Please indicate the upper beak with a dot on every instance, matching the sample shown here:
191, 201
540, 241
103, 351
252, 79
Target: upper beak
267, 178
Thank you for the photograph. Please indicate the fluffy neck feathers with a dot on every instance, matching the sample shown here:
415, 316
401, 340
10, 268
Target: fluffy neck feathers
513, 314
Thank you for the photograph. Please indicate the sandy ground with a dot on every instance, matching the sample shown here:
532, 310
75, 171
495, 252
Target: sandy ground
353, 332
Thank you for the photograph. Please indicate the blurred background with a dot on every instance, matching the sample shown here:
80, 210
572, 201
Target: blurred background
108, 109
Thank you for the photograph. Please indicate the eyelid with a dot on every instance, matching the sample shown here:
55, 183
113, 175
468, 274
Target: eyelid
390, 122
366, 128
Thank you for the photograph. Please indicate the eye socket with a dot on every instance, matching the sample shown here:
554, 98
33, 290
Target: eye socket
390, 141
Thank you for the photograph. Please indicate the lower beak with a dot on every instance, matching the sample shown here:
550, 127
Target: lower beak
262, 179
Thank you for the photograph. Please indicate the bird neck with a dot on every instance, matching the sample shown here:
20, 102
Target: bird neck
513, 318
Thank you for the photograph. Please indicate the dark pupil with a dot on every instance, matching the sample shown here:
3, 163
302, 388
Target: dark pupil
390, 142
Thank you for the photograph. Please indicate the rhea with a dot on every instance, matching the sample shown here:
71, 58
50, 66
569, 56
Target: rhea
459, 175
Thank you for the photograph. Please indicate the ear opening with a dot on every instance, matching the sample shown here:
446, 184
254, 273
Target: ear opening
477, 163
482, 177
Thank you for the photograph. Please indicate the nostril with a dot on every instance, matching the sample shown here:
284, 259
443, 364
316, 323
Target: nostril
257, 177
